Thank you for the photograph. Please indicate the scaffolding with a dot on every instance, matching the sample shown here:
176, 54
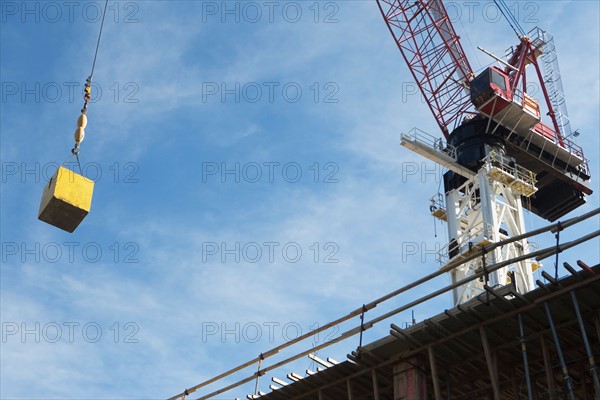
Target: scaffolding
500, 345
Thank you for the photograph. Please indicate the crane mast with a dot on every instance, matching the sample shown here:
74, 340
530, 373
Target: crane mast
500, 156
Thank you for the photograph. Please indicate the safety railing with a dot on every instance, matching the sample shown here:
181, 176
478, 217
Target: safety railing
439, 144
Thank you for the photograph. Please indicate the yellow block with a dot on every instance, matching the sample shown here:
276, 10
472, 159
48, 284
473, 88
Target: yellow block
66, 200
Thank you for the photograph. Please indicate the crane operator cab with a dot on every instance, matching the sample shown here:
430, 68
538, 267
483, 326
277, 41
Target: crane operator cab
560, 167
492, 84
494, 98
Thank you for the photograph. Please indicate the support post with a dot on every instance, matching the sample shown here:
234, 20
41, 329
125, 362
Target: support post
375, 384
524, 351
563, 365
349, 389
434, 375
490, 363
547, 366
409, 380
593, 371
597, 324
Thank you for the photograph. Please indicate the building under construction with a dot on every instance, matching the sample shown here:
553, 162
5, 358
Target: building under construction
499, 345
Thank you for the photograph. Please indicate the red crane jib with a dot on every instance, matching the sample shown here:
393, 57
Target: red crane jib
431, 48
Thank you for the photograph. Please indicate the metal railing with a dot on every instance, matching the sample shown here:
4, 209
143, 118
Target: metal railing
506, 171
439, 144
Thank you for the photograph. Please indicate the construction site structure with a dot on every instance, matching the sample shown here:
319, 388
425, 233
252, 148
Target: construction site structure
499, 345
501, 157
540, 345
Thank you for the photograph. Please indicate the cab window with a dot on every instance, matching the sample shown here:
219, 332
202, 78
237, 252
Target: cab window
498, 79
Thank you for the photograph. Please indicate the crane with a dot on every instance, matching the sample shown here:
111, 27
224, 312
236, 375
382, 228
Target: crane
501, 157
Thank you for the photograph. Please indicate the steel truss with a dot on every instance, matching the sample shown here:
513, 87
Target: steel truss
487, 209
431, 48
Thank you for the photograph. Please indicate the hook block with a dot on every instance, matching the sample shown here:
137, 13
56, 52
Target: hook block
66, 200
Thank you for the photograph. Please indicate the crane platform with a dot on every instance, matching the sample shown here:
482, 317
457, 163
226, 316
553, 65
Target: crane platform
435, 150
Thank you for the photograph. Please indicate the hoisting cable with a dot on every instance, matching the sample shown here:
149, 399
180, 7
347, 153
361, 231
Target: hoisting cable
512, 21
87, 95
99, 37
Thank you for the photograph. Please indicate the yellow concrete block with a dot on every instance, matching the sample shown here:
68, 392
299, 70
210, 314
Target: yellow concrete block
66, 200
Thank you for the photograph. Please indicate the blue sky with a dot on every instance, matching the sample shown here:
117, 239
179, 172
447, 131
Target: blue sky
215, 133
